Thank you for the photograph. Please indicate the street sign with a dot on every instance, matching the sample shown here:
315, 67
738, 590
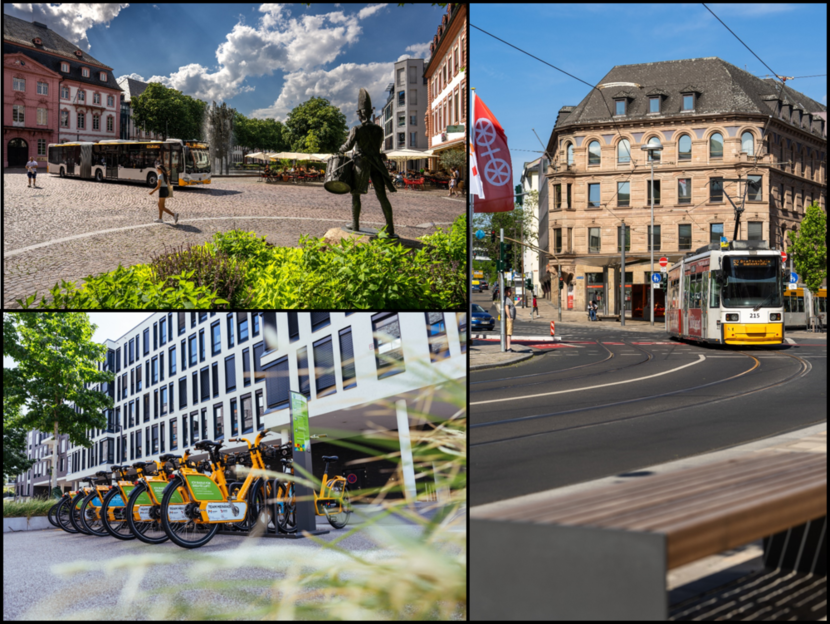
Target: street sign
478, 274
792, 286
479, 234
783, 256
793, 278
664, 262
655, 286
655, 278
724, 242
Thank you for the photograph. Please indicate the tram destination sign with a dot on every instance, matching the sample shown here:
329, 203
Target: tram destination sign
764, 261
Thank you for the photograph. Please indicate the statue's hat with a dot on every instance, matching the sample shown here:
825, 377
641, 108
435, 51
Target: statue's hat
364, 102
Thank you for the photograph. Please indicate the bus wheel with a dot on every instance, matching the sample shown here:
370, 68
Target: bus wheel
152, 178
99, 176
62, 173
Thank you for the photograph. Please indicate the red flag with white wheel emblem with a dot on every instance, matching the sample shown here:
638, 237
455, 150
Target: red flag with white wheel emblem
491, 172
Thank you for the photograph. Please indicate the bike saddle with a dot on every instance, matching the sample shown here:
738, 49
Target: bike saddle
115, 468
101, 473
168, 457
330, 458
287, 461
139, 465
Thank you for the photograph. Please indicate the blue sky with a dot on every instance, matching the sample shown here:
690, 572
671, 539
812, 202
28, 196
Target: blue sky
262, 60
588, 40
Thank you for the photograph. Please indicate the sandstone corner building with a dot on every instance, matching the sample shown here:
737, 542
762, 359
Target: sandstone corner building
715, 123
189, 376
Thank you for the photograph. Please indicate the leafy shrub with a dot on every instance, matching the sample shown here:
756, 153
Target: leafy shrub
209, 267
27, 508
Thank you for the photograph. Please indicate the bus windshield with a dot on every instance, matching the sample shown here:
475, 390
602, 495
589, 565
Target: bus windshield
751, 282
197, 160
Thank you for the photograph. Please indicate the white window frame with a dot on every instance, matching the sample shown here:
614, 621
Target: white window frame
81, 117
65, 67
85, 72
43, 88
68, 93
60, 120
103, 76
96, 98
21, 82
110, 124
41, 147
96, 122
45, 116
18, 113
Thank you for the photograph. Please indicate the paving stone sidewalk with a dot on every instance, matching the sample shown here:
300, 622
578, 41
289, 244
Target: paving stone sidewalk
485, 355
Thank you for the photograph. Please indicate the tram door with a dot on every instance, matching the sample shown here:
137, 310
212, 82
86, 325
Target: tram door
175, 165
112, 163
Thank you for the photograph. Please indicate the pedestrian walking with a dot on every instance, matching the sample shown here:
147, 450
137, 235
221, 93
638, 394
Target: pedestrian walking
509, 312
535, 308
453, 181
164, 193
594, 308
31, 172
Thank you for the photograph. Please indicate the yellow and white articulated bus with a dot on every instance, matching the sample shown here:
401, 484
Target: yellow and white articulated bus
134, 161
730, 296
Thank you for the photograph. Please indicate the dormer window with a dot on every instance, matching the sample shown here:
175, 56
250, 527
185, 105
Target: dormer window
103, 76
65, 67
620, 107
85, 72
688, 101
37, 41
78, 53
654, 104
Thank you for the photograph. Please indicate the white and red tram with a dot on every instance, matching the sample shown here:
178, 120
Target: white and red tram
730, 296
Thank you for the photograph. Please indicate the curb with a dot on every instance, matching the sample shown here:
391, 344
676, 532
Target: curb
521, 358
519, 338
35, 523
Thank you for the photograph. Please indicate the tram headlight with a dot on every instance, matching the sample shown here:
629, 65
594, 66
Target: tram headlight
732, 317
775, 316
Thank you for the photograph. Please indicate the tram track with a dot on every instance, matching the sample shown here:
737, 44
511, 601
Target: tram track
803, 370
649, 357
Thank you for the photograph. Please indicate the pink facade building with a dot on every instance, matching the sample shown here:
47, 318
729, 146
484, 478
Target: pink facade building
53, 92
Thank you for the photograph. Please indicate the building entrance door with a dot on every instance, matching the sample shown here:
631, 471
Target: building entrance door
18, 152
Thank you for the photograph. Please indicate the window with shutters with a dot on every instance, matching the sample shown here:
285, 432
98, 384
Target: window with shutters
246, 367
277, 386
215, 373
389, 357
269, 320
259, 348
347, 359
234, 418
439, 347
230, 373
247, 414
182, 392
319, 320
242, 324
303, 372
218, 422
293, 327
205, 381
324, 367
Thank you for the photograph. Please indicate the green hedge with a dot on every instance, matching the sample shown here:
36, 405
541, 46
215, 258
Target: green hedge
241, 270
27, 508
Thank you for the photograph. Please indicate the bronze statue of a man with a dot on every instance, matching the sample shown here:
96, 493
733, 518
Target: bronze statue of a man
369, 162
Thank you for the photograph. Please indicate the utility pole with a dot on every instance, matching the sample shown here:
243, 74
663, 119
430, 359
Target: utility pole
501, 288
651, 149
622, 275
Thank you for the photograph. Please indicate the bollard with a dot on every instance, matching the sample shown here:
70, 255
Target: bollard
552, 328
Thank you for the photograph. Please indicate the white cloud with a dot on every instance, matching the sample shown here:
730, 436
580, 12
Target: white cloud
70, 20
369, 10
278, 42
134, 76
419, 50
824, 99
339, 85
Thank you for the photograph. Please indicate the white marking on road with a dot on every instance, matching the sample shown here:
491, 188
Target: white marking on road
16, 252
790, 340
616, 383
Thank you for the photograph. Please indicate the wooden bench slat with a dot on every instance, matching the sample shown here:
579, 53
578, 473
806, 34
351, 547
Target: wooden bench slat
616, 500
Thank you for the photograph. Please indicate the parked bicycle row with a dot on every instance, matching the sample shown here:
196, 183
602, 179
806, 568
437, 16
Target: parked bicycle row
188, 501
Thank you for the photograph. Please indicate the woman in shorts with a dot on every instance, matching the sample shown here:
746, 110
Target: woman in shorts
164, 192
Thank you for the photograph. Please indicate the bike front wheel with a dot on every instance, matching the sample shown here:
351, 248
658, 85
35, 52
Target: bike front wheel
63, 513
147, 529
118, 527
91, 515
339, 518
75, 513
53, 510
286, 516
190, 533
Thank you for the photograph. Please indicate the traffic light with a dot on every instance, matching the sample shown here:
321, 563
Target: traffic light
561, 283
519, 196
506, 256
528, 283
492, 236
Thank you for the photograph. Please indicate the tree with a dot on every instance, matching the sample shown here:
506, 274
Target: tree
808, 247
56, 360
169, 112
453, 158
316, 126
15, 461
514, 223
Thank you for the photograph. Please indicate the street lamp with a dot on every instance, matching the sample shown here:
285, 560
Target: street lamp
651, 149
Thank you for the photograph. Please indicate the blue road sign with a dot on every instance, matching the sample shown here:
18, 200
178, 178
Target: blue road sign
655, 277
793, 278
479, 234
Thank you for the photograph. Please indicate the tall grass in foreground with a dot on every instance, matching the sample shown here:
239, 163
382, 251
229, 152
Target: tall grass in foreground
415, 573
27, 508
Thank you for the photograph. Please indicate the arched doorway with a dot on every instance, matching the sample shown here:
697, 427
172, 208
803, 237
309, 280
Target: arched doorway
18, 151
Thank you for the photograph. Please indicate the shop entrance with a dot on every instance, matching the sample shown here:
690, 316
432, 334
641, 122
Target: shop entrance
640, 302
18, 151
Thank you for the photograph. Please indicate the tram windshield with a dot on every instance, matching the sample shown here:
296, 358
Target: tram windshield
751, 282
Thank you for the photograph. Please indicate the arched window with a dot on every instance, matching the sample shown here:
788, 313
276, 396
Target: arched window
570, 149
654, 141
748, 143
716, 145
684, 146
593, 153
623, 151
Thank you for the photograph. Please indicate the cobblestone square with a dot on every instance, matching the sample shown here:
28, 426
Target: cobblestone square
67, 229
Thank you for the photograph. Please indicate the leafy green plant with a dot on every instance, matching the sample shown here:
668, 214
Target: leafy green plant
27, 508
209, 267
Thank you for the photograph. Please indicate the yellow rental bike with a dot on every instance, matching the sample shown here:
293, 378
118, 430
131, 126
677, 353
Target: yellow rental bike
333, 501
144, 497
207, 503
